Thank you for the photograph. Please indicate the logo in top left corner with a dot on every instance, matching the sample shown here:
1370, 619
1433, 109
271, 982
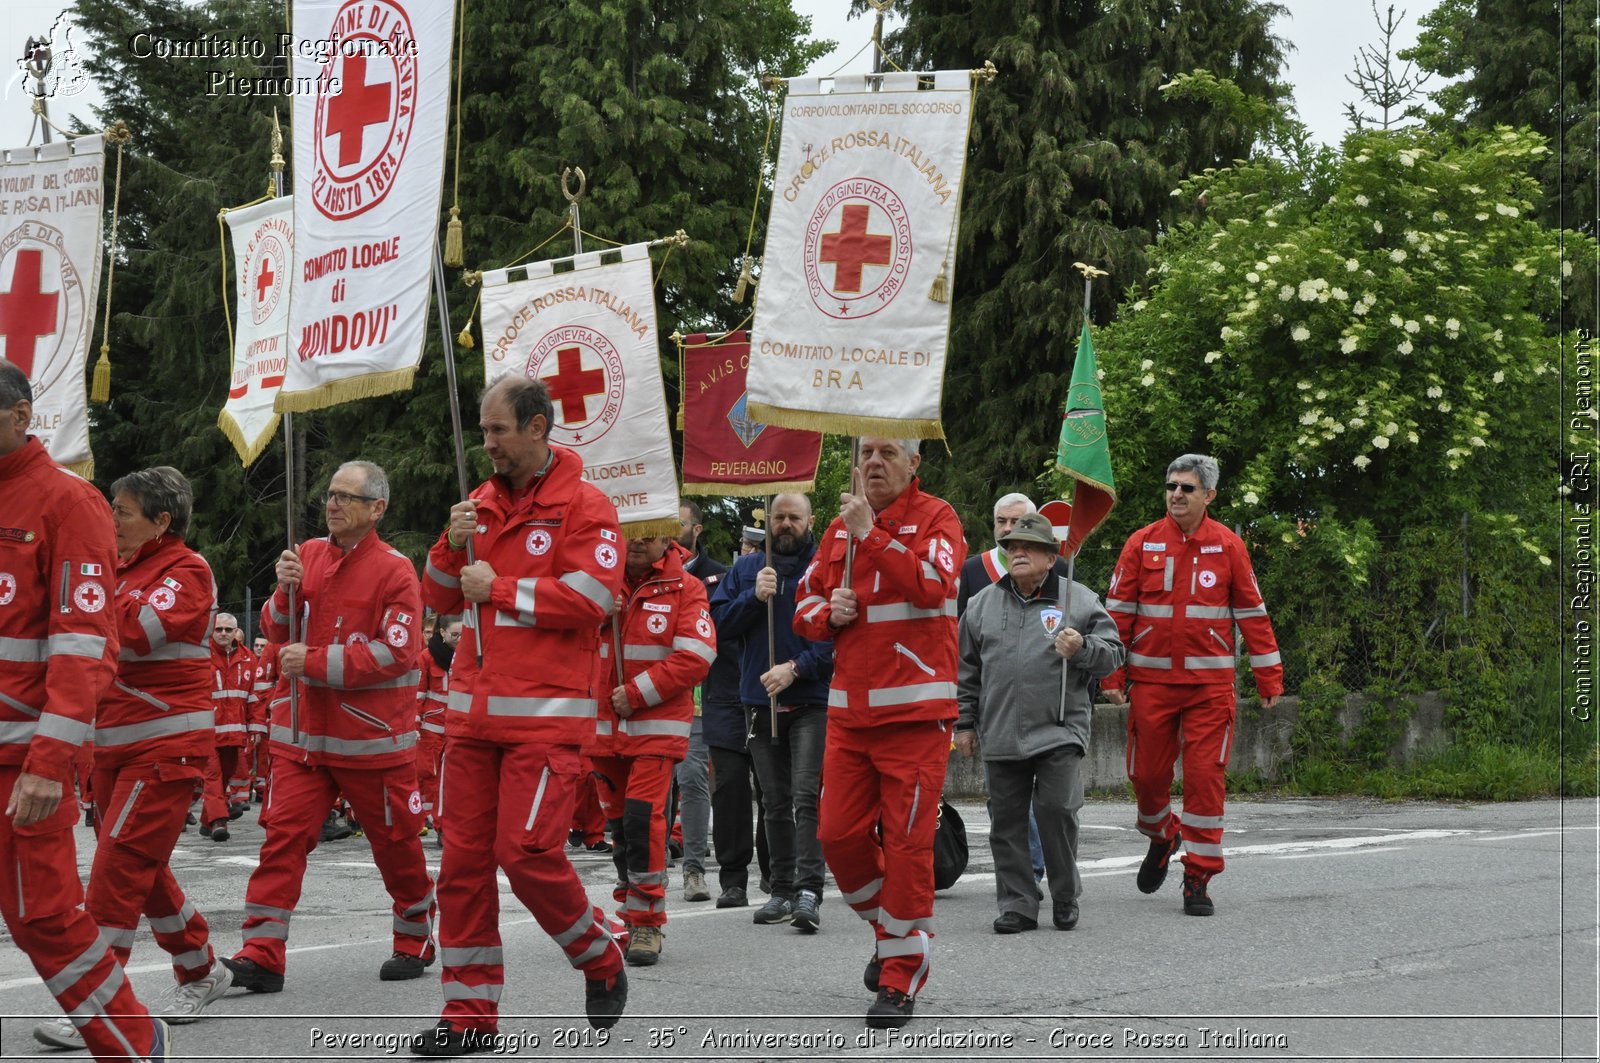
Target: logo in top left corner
50, 67
366, 104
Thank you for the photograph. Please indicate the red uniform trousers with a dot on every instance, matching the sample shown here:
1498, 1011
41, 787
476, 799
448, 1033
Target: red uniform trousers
297, 803
219, 773
430, 750
140, 810
633, 793
893, 775
588, 818
40, 898
513, 800
1196, 720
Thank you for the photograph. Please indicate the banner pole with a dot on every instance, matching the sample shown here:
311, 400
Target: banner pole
289, 460
455, 426
1072, 555
772, 634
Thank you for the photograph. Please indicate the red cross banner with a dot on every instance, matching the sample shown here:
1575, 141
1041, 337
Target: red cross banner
725, 450
590, 335
369, 149
50, 211
852, 315
263, 261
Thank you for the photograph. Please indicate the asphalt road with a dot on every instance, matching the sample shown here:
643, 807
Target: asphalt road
1344, 930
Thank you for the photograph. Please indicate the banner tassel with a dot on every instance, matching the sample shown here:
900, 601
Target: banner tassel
743, 286
100, 390
464, 337
454, 251
940, 291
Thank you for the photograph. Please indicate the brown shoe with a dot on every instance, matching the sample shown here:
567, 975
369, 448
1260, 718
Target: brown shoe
644, 946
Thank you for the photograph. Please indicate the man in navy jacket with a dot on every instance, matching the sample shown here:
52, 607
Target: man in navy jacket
788, 765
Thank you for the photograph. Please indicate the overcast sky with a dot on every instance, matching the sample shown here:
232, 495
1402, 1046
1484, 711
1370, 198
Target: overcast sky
1325, 35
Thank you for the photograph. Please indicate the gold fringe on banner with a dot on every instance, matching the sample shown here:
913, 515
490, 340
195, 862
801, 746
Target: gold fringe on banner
781, 487
84, 469
647, 529
843, 424
348, 390
248, 450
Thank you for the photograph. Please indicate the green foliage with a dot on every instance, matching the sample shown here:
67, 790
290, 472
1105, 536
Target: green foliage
1074, 152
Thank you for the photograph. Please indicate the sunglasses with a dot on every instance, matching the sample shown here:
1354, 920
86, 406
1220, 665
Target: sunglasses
345, 498
1187, 489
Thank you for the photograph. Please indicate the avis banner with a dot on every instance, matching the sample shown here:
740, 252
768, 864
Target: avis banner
369, 149
852, 315
50, 211
590, 335
263, 257
725, 450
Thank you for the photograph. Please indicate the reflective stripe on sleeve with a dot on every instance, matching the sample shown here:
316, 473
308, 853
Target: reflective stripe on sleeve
909, 695
647, 689
591, 589
696, 647
439, 576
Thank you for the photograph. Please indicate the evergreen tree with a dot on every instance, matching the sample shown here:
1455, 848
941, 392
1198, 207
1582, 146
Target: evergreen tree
1075, 154
658, 102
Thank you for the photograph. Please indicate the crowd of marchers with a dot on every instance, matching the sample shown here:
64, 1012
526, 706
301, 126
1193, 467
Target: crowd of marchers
549, 683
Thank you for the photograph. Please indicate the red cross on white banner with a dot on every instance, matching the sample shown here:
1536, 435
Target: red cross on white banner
27, 312
853, 247
356, 107
571, 385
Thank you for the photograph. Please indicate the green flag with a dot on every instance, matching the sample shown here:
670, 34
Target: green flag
1084, 453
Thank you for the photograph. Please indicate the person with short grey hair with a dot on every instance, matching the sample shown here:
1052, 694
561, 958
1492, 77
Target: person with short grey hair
377, 480
1033, 731
1203, 466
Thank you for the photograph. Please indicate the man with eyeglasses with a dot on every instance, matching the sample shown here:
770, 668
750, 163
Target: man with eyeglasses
355, 731
232, 689
1180, 586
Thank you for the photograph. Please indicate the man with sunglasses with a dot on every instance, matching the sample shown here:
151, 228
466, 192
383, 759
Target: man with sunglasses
355, 663
1180, 586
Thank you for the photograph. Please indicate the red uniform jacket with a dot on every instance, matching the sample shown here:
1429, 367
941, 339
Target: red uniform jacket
266, 680
557, 557
897, 661
433, 691
1175, 599
160, 705
668, 645
358, 696
233, 687
58, 632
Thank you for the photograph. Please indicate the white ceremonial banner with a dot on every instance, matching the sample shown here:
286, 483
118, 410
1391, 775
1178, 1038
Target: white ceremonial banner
50, 213
263, 260
369, 151
590, 335
850, 331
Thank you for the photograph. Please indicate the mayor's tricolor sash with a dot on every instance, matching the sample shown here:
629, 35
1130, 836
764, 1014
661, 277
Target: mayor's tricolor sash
49, 281
852, 314
590, 335
369, 150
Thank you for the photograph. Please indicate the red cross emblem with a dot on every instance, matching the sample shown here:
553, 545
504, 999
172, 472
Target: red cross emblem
572, 385
358, 106
90, 596
27, 312
264, 279
586, 385
8, 588
862, 229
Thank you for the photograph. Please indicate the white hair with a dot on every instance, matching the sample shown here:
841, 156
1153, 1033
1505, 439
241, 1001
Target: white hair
1015, 498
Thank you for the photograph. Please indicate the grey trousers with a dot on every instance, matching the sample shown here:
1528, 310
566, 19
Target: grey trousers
1053, 781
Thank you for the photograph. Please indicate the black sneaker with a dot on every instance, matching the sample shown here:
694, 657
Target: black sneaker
402, 967
336, 828
1153, 872
874, 971
604, 999
733, 897
446, 1040
205, 830
1195, 899
601, 846
219, 831
891, 1010
574, 839
776, 910
237, 809
807, 912
1014, 923
191, 819
248, 974
1065, 916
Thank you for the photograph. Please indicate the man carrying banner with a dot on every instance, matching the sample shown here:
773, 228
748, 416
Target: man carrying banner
1179, 587
59, 652
892, 620
355, 732
548, 569
790, 768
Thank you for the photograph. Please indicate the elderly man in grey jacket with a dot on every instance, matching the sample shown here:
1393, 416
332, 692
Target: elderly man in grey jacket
1015, 641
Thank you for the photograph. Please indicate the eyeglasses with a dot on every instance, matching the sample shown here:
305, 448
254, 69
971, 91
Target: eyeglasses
344, 498
224, 630
1187, 489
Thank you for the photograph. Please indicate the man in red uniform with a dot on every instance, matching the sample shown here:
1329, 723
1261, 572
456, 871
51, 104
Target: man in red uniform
233, 671
58, 652
355, 730
432, 694
257, 722
668, 645
1179, 587
891, 706
547, 571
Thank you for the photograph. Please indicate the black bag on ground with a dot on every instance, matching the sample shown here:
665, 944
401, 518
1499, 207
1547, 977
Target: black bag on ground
949, 847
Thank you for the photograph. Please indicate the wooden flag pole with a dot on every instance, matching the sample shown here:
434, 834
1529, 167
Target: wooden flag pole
772, 635
464, 488
1089, 274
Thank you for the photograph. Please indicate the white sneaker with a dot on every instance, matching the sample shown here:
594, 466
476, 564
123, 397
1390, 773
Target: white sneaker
182, 1003
58, 1033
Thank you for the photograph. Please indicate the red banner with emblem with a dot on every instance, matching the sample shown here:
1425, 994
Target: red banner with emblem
725, 450
369, 147
50, 211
